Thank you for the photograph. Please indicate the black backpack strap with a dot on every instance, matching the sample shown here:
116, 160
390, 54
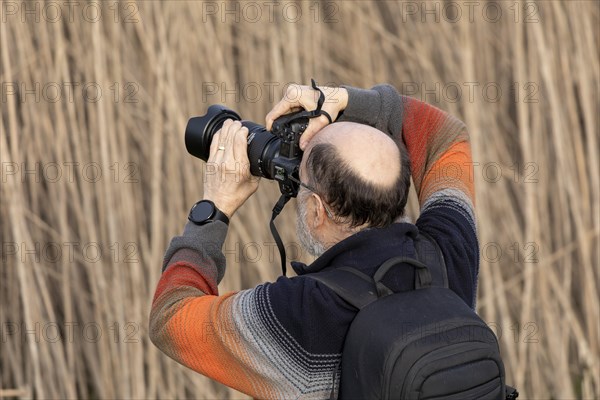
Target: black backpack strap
429, 253
360, 290
511, 393
422, 274
355, 287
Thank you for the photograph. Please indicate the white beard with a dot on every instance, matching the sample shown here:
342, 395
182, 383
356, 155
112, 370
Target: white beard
307, 240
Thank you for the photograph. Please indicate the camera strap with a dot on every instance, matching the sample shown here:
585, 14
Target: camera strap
285, 197
318, 112
276, 210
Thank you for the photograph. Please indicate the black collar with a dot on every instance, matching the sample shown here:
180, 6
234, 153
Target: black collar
367, 248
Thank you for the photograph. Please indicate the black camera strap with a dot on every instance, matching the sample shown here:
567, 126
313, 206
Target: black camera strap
318, 112
276, 210
286, 197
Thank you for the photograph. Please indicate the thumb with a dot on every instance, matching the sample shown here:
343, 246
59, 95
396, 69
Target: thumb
314, 126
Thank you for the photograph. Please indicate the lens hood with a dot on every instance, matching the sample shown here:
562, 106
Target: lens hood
200, 130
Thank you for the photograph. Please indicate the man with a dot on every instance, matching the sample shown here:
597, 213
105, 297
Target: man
285, 339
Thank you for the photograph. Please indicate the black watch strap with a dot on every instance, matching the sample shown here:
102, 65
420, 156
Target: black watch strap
220, 216
205, 211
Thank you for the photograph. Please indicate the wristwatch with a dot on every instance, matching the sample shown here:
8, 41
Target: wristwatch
205, 211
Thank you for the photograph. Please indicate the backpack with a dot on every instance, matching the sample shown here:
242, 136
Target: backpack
425, 343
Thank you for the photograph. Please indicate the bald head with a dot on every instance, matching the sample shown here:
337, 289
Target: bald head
369, 153
360, 170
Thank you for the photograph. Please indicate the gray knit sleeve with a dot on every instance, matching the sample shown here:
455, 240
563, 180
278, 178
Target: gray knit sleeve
380, 107
201, 246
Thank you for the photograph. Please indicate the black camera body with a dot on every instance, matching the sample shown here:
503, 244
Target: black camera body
274, 154
289, 128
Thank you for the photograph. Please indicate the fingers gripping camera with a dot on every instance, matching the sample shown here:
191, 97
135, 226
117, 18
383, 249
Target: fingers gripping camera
274, 154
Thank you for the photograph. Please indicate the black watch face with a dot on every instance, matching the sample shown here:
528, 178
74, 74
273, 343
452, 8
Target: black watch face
202, 211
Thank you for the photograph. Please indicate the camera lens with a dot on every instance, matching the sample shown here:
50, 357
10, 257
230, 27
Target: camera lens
263, 146
200, 130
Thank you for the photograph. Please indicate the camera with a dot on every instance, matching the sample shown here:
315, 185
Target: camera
274, 154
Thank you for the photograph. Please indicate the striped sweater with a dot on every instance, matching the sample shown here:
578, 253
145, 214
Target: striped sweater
284, 339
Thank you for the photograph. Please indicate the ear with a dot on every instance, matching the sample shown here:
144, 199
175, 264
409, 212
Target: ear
318, 211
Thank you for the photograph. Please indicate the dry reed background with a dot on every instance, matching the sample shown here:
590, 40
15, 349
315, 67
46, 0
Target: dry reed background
545, 312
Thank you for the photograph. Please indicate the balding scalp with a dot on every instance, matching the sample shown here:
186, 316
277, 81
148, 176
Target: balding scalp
361, 173
369, 153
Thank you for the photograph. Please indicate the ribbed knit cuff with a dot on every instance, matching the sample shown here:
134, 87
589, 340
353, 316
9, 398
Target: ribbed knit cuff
364, 106
380, 107
206, 241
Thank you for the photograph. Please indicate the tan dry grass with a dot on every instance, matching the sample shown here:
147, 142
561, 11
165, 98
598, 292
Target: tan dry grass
546, 312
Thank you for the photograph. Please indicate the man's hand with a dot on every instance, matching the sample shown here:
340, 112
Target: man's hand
227, 181
299, 97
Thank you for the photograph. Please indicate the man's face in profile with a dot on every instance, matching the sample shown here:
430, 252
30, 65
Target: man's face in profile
305, 235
